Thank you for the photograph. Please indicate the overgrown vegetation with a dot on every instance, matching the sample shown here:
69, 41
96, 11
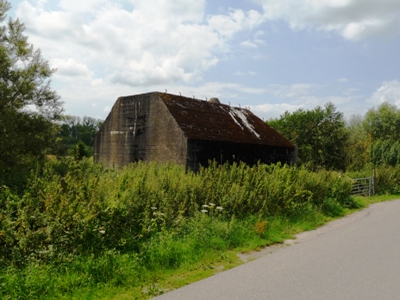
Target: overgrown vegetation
70, 229
79, 208
80, 231
76, 217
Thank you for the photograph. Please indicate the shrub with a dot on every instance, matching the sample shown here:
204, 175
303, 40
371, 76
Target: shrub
79, 208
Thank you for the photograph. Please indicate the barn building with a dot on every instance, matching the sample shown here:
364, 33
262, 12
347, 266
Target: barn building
164, 127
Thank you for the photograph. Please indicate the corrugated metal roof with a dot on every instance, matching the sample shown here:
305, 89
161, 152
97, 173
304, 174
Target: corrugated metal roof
202, 120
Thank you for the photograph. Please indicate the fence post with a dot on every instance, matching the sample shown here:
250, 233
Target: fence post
374, 181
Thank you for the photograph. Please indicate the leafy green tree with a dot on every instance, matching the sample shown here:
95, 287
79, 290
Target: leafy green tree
385, 153
74, 130
79, 151
358, 144
319, 134
28, 106
383, 123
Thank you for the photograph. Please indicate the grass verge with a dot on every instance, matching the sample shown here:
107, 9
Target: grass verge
204, 247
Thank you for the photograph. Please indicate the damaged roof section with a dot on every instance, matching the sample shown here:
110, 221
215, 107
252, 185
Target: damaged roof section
204, 120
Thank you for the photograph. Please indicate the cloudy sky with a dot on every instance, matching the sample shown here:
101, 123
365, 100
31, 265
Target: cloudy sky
271, 55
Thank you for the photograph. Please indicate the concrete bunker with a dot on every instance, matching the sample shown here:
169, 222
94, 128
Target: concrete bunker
164, 127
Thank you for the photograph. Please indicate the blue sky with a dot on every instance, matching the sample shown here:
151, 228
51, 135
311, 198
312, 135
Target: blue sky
270, 55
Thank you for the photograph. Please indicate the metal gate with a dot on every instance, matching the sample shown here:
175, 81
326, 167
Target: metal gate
363, 186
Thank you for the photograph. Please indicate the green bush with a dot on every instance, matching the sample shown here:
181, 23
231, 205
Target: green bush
387, 180
80, 208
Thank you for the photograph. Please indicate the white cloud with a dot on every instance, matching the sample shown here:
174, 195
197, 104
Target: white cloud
345, 104
236, 20
56, 24
295, 90
79, 6
306, 96
70, 68
250, 73
273, 110
224, 91
151, 42
248, 44
177, 10
353, 19
389, 91
105, 49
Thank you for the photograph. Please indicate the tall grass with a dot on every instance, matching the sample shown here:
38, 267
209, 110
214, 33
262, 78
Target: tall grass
78, 224
81, 208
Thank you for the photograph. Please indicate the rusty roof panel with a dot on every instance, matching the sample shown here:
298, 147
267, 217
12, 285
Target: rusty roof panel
204, 120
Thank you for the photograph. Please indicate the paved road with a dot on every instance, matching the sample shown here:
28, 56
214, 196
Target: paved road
357, 257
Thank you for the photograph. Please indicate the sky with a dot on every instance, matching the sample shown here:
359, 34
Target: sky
271, 56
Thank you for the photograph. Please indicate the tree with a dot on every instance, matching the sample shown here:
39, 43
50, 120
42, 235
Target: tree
319, 134
358, 145
28, 106
79, 151
383, 125
74, 130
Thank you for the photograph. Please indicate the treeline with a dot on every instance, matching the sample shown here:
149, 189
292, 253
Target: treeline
29, 149
326, 140
75, 136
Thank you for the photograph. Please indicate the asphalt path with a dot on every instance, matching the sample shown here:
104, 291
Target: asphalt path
356, 257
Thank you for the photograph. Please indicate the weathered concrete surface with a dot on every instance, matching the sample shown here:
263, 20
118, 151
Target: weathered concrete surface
169, 128
357, 257
140, 128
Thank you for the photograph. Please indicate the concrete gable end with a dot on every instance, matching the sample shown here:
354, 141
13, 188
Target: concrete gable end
169, 128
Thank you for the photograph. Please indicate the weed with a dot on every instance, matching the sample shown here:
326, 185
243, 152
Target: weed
80, 228
260, 227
